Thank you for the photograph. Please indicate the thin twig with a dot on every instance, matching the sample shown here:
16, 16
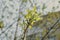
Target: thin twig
25, 31
15, 33
50, 29
8, 27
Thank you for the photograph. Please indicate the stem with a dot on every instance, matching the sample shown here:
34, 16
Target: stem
16, 29
25, 31
15, 33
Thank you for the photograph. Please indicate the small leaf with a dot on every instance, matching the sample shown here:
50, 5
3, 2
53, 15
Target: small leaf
59, 1
37, 19
30, 26
1, 24
32, 23
34, 8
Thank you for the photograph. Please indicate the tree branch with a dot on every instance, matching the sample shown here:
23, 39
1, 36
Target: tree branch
15, 33
25, 31
8, 27
50, 29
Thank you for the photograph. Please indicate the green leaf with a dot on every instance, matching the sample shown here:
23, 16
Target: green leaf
1, 24
30, 26
32, 16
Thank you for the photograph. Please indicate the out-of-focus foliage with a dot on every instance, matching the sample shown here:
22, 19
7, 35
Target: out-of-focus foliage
37, 38
44, 32
58, 35
1, 24
54, 15
50, 18
24, 1
48, 21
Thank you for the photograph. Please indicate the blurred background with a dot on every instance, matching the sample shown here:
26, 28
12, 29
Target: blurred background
12, 20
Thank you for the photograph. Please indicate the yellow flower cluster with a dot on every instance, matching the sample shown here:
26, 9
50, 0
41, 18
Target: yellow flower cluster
33, 15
